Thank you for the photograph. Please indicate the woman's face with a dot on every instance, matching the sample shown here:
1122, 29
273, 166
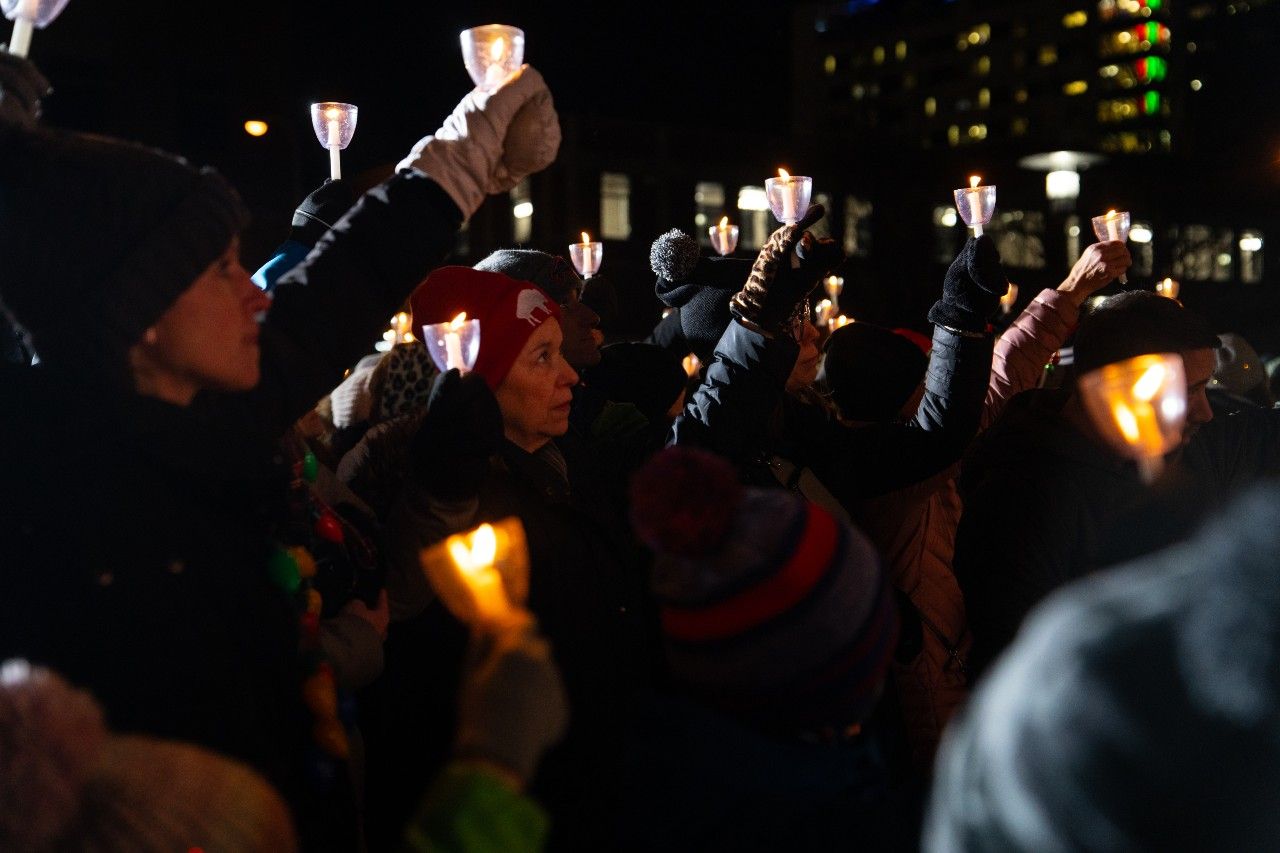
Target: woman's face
208, 339
536, 394
805, 370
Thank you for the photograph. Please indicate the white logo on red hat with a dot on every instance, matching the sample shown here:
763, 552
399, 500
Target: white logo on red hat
529, 303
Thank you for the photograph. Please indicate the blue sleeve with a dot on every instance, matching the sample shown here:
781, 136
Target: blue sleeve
289, 255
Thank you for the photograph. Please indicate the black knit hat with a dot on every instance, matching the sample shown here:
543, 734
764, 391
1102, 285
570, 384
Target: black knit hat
871, 372
699, 286
99, 237
552, 273
1135, 323
644, 375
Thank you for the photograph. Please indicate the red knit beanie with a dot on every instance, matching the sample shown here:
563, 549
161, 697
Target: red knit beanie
509, 312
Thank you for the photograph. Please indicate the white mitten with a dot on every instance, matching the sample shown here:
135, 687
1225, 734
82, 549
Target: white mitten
491, 141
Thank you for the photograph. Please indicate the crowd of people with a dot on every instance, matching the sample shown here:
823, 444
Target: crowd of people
839, 588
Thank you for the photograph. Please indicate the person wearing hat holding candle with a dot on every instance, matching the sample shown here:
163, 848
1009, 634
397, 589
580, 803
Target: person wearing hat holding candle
142, 514
493, 444
1046, 500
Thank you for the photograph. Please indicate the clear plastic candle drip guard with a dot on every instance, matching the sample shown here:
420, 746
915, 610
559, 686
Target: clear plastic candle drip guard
492, 53
1139, 406
455, 344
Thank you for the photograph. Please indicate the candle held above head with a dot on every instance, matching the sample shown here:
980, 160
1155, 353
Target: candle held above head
491, 54
28, 15
586, 256
975, 204
335, 125
1113, 225
788, 196
724, 237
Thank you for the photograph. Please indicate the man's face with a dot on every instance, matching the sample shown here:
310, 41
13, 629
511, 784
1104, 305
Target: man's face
807, 360
582, 335
1198, 364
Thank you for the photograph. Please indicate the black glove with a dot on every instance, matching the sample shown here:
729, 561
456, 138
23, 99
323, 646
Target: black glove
319, 211
450, 454
972, 289
775, 289
21, 88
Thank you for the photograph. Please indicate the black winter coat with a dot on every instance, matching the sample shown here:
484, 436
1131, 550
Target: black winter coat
134, 534
742, 412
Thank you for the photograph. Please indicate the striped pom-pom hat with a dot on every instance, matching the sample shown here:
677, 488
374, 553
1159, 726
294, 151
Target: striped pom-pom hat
771, 608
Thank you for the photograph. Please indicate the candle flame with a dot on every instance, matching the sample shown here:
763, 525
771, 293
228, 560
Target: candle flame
586, 238
497, 49
724, 223
1111, 214
974, 180
476, 555
1127, 422
1149, 383
782, 173
332, 113
456, 323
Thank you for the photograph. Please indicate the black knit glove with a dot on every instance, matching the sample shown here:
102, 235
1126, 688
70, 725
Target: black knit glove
449, 456
21, 88
512, 706
320, 210
972, 289
777, 287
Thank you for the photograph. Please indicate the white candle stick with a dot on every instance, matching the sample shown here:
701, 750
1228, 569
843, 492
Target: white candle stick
20, 41
975, 205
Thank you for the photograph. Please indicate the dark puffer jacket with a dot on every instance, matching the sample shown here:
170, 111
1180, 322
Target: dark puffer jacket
135, 535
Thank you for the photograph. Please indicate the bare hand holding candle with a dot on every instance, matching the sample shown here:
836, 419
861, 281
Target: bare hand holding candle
26, 16
482, 576
1112, 226
454, 345
724, 237
586, 256
335, 125
492, 53
975, 204
788, 196
1140, 407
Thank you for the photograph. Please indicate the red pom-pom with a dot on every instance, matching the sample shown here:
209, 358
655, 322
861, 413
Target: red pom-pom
683, 501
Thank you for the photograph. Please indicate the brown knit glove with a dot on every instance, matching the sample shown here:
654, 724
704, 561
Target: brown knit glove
778, 286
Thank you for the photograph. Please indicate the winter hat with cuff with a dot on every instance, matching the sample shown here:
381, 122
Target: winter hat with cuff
509, 312
700, 287
771, 609
552, 273
98, 237
871, 372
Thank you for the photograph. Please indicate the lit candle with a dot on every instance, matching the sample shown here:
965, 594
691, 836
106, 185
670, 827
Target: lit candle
1168, 287
23, 27
1139, 407
823, 312
691, 365
453, 343
586, 256
492, 53
975, 204
834, 285
1010, 297
724, 237
473, 555
840, 322
333, 114
788, 196
495, 73
1113, 226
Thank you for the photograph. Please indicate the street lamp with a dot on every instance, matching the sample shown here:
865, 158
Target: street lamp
1062, 174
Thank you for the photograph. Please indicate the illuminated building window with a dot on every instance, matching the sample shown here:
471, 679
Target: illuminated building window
1073, 20
1019, 127
858, 91
1048, 54
1151, 69
977, 132
1151, 103
753, 207
1020, 96
1139, 39
946, 231
1250, 257
983, 66
615, 206
1075, 87
953, 135
708, 199
829, 65
900, 51
984, 99
1196, 85
877, 55
857, 226
930, 106
1202, 253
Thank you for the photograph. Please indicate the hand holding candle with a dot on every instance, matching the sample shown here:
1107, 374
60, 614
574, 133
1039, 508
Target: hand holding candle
724, 237
492, 53
482, 576
788, 196
454, 345
1112, 226
1139, 406
975, 204
586, 256
335, 125
27, 15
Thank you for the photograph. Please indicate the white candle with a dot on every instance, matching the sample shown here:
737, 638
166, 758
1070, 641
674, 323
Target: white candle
494, 73
1113, 226
788, 196
975, 204
588, 256
20, 42
335, 143
453, 344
